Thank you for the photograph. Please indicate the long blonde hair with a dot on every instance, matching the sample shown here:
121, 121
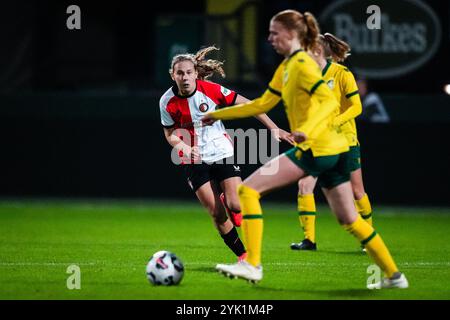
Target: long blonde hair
205, 68
336, 49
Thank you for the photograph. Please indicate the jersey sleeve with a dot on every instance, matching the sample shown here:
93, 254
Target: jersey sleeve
166, 118
227, 97
350, 91
276, 84
349, 86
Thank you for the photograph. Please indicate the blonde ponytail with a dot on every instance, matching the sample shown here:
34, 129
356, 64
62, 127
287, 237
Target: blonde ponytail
334, 48
205, 68
311, 37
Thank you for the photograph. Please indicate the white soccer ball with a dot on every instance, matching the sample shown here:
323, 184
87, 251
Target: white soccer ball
165, 268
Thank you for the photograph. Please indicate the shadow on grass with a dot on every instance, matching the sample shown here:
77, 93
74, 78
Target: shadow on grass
348, 253
204, 269
356, 293
352, 293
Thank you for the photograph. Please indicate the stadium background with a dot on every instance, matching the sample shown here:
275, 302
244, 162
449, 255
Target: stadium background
79, 111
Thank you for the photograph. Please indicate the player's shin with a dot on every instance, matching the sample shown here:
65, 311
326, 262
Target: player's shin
307, 215
374, 245
233, 242
252, 223
364, 208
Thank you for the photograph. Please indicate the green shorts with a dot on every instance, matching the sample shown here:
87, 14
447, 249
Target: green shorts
355, 158
331, 170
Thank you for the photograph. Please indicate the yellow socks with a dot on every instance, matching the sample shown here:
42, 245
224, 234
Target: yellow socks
307, 215
252, 223
364, 208
374, 245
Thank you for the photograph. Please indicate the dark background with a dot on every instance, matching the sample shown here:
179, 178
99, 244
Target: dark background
79, 114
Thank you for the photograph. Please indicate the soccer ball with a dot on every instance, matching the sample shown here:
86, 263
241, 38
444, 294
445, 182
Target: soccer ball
165, 268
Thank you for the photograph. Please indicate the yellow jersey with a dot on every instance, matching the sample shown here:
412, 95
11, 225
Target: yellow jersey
310, 105
342, 82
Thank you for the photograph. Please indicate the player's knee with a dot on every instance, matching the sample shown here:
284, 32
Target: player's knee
358, 192
232, 200
212, 208
346, 219
218, 216
233, 204
305, 187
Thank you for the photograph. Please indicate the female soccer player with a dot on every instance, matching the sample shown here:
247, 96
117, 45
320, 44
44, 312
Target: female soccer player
204, 150
320, 150
329, 51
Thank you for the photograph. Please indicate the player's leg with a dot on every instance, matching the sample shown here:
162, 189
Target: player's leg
199, 179
340, 199
209, 198
362, 202
229, 177
307, 213
229, 187
274, 174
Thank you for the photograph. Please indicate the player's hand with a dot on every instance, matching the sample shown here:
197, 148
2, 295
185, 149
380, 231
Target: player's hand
299, 137
208, 120
195, 154
280, 134
190, 154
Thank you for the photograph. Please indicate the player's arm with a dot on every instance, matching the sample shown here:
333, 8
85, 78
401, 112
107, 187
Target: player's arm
351, 113
175, 141
172, 137
350, 90
278, 134
267, 101
252, 108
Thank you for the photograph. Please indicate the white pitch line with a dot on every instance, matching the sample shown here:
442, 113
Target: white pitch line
293, 264
50, 264
326, 264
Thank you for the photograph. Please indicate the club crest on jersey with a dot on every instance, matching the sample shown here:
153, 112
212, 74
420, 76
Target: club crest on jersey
225, 91
330, 84
203, 107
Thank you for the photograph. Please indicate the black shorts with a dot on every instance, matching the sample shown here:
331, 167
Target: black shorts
198, 174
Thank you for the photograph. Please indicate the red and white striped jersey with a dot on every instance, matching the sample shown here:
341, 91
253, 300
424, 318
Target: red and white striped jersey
186, 112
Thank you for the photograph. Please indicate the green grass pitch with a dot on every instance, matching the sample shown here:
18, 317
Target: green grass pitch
111, 242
